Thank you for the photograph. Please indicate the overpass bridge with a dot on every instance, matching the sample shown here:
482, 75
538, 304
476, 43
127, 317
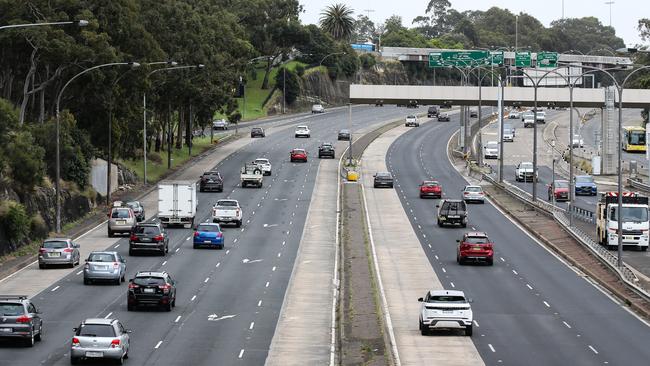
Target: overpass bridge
469, 95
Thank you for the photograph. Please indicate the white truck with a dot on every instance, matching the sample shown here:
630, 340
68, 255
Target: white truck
634, 217
524, 172
177, 203
491, 150
251, 174
227, 211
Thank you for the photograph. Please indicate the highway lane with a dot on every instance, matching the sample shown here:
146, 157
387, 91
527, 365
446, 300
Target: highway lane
529, 305
245, 298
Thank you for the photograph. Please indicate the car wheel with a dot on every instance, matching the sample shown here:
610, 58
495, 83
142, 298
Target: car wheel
463, 225
120, 361
72, 264
423, 330
168, 307
123, 279
439, 223
238, 223
39, 336
87, 281
117, 281
110, 233
221, 246
131, 252
201, 190
194, 246
41, 266
74, 360
490, 262
163, 252
130, 307
29, 342
468, 330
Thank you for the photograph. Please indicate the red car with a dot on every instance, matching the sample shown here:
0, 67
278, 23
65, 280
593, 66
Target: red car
558, 189
298, 155
430, 188
476, 247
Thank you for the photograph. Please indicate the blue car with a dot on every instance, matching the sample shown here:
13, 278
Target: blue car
584, 185
208, 235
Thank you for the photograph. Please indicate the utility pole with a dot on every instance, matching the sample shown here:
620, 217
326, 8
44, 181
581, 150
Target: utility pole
610, 3
169, 135
562, 9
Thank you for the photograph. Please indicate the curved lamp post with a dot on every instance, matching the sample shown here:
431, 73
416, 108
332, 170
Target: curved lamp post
58, 133
321, 64
80, 23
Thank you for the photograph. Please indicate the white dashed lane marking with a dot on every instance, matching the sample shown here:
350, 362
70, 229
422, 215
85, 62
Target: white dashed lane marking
158, 345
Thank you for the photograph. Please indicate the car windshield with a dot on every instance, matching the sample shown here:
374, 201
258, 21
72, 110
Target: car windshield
411, 116
476, 240
209, 228
11, 309
148, 281
261, 161
147, 230
102, 257
302, 127
134, 205
631, 214
383, 175
227, 203
96, 330
257, 129
452, 206
344, 131
430, 184
584, 179
561, 184
120, 214
473, 189
326, 145
298, 151
55, 244
446, 298
526, 165
492, 145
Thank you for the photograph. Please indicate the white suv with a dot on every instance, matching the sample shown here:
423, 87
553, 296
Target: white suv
264, 164
445, 309
302, 131
317, 108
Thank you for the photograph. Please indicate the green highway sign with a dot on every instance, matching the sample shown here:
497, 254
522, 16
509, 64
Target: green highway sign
547, 59
496, 58
435, 59
522, 59
465, 58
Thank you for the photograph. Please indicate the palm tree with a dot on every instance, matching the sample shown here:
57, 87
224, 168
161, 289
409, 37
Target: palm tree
337, 20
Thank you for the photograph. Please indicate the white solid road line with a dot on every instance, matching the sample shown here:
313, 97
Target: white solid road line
80, 272
108, 315
158, 345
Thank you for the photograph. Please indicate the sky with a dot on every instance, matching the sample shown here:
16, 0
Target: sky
625, 13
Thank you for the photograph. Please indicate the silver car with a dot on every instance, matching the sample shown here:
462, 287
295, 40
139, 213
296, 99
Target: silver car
104, 266
58, 251
473, 194
98, 338
121, 220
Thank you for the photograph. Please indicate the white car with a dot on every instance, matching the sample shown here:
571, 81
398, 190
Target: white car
445, 309
529, 121
302, 131
473, 194
524, 172
317, 108
491, 150
412, 121
541, 117
264, 164
508, 134
577, 141
220, 124
227, 211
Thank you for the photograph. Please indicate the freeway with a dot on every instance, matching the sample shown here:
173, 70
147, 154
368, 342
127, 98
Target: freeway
530, 305
228, 301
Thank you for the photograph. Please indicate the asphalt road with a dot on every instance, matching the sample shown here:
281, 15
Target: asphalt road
529, 305
241, 288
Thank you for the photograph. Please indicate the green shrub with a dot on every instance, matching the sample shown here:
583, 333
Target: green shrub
300, 70
14, 221
26, 159
155, 157
38, 227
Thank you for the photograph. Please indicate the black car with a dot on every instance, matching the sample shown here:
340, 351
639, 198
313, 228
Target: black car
383, 179
344, 135
452, 212
138, 210
379, 103
257, 132
473, 113
326, 150
432, 111
152, 289
211, 181
19, 319
149, 237
412, 104
443, 117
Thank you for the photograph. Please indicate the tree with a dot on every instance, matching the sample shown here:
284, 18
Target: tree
644, 29
364, 29
290, 87
26, 162
337, 20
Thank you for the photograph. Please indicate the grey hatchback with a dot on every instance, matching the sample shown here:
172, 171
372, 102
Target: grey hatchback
58, 251
104, 266
98, 338
19, 319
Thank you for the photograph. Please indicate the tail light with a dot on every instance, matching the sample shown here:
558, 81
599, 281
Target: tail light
464, 246
480, 193
465, 193
214, 212
488, 246
115, 343
23, 319
116, 265
134, 237
133, 285
42, 251
219, 235
196, 234
165, 288
158, 238
67, 250
238, 211
75, 342
86, 266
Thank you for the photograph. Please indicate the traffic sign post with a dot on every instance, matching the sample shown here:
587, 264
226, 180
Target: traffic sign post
522, 59
547, 59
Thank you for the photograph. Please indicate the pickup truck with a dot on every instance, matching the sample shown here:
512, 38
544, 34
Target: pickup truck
227, 211
251, 174
524, 172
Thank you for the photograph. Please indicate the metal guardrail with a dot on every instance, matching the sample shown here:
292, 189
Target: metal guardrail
583, 214
636, 184
560, 216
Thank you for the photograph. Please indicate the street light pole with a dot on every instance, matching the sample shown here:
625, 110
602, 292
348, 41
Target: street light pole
80, 23
319, 66
350, 139
58, 134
